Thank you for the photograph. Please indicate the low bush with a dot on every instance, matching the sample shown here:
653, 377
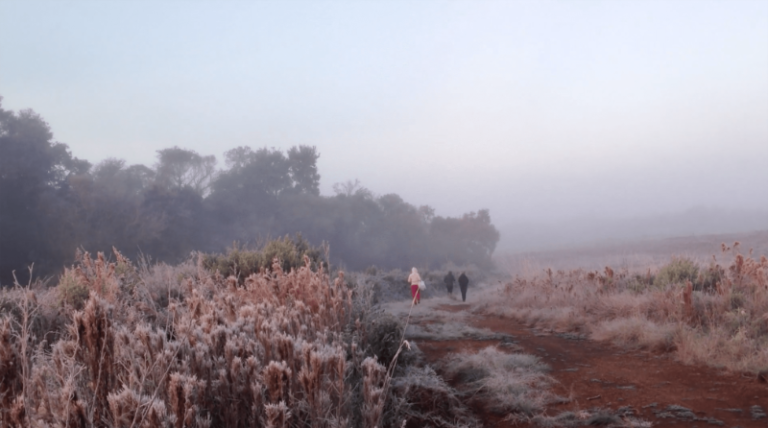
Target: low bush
72, 292
677, 271
242, 262
429, 401
513, 384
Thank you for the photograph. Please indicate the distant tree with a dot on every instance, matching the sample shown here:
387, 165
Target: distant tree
427, 213
139, 177
302, 165
123, 181
178, 168
255, 173
104, 208
245, 199
51, 203
32, 169
469, 239
172, 224
351, 188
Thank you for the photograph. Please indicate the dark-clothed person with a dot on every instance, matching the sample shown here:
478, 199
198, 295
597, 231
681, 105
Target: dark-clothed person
449, 281
463, 283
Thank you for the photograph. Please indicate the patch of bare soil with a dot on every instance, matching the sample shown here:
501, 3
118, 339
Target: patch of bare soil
649, 386
454, 308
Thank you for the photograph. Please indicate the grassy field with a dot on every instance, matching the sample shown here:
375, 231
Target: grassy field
115, 344
122, 344
704, 300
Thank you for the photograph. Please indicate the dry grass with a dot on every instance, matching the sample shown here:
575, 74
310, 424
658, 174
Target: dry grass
513, 384
182, 346
719, 318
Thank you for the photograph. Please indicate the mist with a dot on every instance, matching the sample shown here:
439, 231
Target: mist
569, 122
575, 232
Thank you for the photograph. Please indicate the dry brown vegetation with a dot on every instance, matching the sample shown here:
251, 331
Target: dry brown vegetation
515, 384
715, 314
123, 346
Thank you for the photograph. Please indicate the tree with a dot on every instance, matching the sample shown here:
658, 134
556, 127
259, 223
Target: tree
469, 239
31, 166
351, 188
302, 166
244, 201
171, 223
178, 168
103, 209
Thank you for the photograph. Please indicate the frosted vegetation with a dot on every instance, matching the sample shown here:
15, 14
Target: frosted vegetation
184, 347
713, 313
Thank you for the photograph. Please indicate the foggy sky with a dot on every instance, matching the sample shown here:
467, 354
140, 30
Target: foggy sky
540, 111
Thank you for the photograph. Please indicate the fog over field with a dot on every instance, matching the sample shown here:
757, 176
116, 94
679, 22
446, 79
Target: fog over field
570, 121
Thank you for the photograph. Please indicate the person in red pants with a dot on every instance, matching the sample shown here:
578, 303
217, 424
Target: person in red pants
414, 280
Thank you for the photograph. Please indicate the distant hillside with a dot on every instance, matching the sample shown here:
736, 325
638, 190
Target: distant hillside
526, 236
635, 255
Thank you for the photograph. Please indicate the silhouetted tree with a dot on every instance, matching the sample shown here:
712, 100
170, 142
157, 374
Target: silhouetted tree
469, 239
178, 168
52, 203
302, 165
173, 220
31, 166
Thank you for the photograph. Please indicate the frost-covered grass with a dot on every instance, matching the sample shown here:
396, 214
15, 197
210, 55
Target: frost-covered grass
183, 346
516, 385
450, 330
714, 314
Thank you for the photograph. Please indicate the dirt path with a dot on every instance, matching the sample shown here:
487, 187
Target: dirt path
597, 375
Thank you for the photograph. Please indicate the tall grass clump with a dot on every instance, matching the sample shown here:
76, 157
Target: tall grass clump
513, 384
716, 315
187, 346
677, 271
242, 262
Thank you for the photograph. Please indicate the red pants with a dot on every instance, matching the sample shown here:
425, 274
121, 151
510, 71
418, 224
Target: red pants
415, 294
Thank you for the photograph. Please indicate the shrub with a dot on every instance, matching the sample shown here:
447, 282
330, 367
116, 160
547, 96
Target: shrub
241, 262
512, 384
383, 337
285, 349
72, 292
430, 401
709, 278
677, 271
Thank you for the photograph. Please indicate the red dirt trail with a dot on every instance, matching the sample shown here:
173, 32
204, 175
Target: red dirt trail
599, 375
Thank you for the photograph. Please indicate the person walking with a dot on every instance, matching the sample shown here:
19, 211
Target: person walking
414, 279
449, 280
463, 283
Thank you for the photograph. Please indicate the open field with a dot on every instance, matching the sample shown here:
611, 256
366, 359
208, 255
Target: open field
682, 341
588, 382
638, 254
666, 336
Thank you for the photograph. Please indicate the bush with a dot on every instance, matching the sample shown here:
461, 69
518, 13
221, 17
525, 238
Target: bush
428, 401
241, 262
277, 350
72, 292
708, 279
677, 271
383, 338
513, 384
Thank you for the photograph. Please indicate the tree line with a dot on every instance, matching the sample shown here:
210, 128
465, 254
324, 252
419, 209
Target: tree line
52, 203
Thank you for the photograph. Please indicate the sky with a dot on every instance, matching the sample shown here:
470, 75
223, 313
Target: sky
537, 110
